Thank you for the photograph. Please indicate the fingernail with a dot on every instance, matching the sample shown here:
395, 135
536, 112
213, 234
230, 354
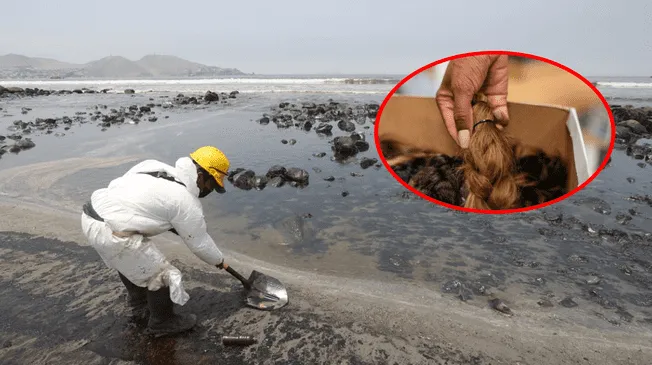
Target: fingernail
463, 138
500, 114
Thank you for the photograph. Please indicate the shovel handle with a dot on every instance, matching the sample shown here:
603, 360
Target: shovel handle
231, 271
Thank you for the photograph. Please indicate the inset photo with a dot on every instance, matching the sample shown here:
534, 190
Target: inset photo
495, 132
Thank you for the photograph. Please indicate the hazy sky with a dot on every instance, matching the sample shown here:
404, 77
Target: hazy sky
594, 37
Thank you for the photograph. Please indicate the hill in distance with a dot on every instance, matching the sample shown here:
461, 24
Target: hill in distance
13, 66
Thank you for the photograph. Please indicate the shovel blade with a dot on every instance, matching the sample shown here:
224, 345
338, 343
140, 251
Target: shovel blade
267, 293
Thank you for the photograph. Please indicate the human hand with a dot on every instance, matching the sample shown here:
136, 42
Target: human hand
463, 79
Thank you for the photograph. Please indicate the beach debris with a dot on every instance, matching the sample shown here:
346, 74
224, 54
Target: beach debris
545, 303
500, 306
593, 280
238, 340
568, 302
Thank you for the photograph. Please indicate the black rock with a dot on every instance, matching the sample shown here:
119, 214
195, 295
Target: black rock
366, 162
297, 175
276, 182
276, 171
319, 155
329, 178
21, 145
345, 193
234, 172
631, 180
283, 105
211, 96
344, 147
357, 136
346, 126
130, 91
245, 180
260, 182
634, 126
233, 94
324, 128
307, 126
284, 141
362, 146
145, 109
153, 119
263, 121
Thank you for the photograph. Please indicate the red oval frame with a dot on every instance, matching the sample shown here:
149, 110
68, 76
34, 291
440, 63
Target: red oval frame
496, 52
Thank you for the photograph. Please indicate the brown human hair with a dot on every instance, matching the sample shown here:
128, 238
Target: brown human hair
495, 172
489, 166
434, 174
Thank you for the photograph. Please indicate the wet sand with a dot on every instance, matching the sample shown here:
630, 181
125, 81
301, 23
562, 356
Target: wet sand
61, 305
376, 277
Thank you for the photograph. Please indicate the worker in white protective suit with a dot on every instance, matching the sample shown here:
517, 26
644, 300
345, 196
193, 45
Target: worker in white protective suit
150, 199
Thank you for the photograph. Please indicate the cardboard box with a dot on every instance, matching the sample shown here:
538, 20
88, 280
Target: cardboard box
543, 83
417, 121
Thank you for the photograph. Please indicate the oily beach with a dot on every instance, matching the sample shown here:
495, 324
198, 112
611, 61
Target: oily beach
374, 274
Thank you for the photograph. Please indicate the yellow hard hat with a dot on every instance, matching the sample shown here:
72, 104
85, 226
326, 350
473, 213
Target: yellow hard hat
212, 160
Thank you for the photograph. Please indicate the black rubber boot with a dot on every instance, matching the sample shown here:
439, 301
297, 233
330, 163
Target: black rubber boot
162, 319
137, 297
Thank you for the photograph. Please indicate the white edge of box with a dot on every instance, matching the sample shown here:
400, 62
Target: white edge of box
579, 148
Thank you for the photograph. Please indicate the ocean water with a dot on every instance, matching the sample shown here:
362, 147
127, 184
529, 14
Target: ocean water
376, 231
319, 84
636, 91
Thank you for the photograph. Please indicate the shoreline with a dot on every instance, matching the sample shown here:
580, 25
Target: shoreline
410, 314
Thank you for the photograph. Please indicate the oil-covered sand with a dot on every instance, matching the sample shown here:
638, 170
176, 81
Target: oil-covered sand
374, 276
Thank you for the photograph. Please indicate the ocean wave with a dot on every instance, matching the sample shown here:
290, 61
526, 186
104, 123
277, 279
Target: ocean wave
626, 85
220, 81
258, 91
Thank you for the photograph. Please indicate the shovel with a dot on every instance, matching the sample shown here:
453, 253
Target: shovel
263, 292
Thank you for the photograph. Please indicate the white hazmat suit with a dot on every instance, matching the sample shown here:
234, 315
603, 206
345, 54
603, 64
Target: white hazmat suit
149, 206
